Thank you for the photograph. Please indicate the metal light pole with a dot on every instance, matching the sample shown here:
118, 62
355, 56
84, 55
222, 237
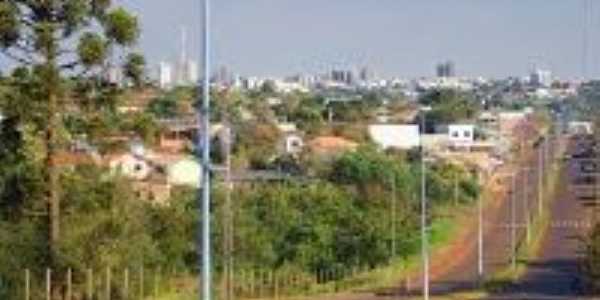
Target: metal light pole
526, 217
204, 144
513, 227
541, 178
393, 213
480, 234
424, 236
228, 216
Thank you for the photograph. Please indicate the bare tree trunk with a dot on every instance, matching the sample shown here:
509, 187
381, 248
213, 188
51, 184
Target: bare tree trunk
52, 186
51, 76
52, 198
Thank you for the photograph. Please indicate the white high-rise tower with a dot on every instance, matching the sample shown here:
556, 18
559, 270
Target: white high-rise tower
165, 75
187, 70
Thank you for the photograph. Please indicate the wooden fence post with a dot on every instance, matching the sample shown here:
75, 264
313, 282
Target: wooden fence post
90, 284
48, 283
126, 283
108, 283
27, 285
141, 282
251, 282
276, 285
270, 282
156, 282
69, 284
261, 281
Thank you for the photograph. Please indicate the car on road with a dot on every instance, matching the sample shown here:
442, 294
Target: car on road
588, 167
584, 180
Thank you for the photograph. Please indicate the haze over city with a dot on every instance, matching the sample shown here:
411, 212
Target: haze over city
396, 38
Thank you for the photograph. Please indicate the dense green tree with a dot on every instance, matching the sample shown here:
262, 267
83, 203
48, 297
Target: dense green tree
449, 106
256, 144
135, 69
42, 36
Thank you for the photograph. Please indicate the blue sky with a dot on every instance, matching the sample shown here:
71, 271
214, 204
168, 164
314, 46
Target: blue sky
396, 37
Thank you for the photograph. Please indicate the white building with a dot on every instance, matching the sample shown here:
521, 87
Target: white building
293, 143
289, 87
187, 72
165, 75
185, 172
461, 135
395, 136
580, 128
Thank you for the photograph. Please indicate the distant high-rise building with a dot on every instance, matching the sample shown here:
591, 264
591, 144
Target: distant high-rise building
348, 77
165, 75
187, 73
192, 72
223, 76
366, 74
446, 69
187, 69
540, 78
451, 68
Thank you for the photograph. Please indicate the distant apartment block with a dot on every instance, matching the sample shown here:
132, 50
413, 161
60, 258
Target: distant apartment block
446, 69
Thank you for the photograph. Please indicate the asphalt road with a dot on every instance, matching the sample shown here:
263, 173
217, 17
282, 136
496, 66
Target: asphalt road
555, 274
497, 242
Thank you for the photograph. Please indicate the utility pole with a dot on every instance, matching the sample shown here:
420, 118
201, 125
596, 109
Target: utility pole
424, 235
513, 226
541, 179
480, 231
228, 215
204, 143
526, 217
455, 188
394, 216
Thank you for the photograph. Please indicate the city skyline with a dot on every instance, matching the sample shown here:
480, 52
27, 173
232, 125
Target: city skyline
275, 39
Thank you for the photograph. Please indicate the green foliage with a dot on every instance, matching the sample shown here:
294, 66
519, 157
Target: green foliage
256, 144
144, 126
172, 103
173, 229
134, 68
314, 227
308, 113
91, 49
50, 41
449, 106
9, 24
102, 216
121, 27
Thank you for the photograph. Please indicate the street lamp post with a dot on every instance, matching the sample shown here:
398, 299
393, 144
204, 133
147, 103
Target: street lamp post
541, 178
424, 236
393, 216
480, 234
526, 214
513, 226
204, 144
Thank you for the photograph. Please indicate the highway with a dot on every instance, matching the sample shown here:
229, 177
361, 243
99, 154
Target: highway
554, 274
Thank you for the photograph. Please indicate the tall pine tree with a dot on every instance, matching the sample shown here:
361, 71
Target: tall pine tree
56, 40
